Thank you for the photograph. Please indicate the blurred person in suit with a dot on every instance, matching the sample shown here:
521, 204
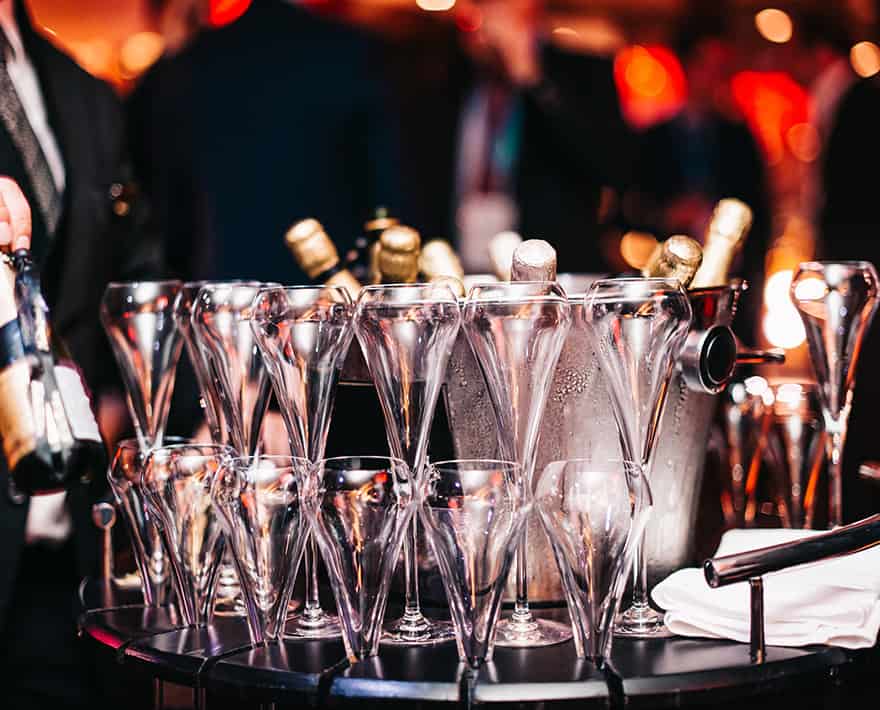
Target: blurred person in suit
503, 129
275, 117
701, 155
66, 190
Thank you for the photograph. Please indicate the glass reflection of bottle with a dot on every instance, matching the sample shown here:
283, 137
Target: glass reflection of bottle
316, 254
678, 257
50, 436
725, 236
362, 259
399, 255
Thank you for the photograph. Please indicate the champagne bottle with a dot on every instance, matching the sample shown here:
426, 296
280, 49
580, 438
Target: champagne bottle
50, 435
533, 260
399, 255
725, 236
678, 257
501, 250
438, 263
363, 259
316, 254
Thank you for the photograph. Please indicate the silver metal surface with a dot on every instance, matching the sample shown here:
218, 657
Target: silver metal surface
578, 423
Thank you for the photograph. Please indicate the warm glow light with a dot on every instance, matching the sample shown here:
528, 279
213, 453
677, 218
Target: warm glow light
810, 289
139, 51
776, 296
650, 81
865, 59
784, 329
436, 5
774, 25
803, 141
565, 32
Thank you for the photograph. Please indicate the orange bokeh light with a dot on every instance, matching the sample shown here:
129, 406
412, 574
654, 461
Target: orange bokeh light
650, 82
773, 103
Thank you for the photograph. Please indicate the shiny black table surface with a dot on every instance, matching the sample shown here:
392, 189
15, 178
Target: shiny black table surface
657, 673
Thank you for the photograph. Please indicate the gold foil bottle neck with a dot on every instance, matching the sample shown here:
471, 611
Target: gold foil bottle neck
725, 236
311, 247
679, 257
399, 255
437, 259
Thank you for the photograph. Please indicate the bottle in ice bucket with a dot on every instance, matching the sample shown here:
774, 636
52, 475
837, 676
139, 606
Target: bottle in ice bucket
316, 254
363, 259
725, 236
679, 257
399, 255
50, 436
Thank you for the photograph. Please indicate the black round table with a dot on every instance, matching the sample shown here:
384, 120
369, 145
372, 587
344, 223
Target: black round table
144, 648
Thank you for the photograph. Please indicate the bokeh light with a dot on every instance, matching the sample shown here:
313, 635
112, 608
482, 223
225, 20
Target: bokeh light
774, 25
139, 51
436, 5
651, 83
865, 59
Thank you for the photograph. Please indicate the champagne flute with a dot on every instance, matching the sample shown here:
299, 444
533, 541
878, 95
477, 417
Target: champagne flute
303, 333
406, 332
638, 327
837, 302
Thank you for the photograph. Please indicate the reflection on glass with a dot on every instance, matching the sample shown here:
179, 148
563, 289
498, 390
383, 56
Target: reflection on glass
406, 332
594, 512
359, 515
474, 512
638, 327
260, 500
837, 302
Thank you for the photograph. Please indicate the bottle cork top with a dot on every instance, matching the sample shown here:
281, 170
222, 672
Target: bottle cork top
313, 250
399, 254
501, 250
438, 258
533, 260
731, 220
679, 257
684, 249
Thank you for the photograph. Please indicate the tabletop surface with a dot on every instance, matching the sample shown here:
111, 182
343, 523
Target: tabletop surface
651, 673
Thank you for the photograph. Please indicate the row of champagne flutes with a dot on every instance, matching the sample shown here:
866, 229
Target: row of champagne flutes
406, 333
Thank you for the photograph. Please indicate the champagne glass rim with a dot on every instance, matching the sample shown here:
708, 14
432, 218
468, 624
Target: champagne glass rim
370, 457
822, 264
366, 291
116, 285
317, 289
449, 464
595, 460
134, 442
672, 284
510, 292
210, 286
289, 460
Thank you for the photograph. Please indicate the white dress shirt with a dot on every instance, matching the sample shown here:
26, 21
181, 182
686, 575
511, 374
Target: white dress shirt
48, 518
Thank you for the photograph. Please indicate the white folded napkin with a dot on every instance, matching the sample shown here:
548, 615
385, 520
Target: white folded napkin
835, 601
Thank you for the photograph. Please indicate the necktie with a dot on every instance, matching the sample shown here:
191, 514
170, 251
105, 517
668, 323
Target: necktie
15, 120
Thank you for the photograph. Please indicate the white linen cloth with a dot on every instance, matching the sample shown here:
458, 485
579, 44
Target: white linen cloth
834, 601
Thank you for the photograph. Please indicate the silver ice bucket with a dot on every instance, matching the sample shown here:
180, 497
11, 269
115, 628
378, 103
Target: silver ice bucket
578, 422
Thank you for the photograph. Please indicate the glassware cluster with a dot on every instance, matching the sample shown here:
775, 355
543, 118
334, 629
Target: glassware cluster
191, 505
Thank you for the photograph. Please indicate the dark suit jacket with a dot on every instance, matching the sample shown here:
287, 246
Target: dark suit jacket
92, 246
274, 118
573, 142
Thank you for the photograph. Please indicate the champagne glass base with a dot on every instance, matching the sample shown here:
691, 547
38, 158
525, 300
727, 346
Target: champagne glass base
534, 632
641, 622
313, 625
230, 606
417, 631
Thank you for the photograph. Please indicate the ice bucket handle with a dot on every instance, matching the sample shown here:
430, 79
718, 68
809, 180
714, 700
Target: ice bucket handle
752, 356
751, 565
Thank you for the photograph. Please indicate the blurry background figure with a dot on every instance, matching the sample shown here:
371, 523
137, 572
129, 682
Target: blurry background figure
278, 116
840, 196
703, 154
509, 131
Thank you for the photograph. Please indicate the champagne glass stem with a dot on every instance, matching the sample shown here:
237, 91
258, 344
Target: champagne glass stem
313, 606
412, 615
837, 431
521, 613
640, 576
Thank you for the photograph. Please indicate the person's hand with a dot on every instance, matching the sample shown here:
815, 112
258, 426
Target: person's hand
15, 216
